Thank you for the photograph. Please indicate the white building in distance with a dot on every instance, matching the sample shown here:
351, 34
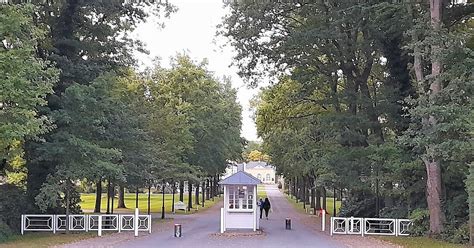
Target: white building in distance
262, 170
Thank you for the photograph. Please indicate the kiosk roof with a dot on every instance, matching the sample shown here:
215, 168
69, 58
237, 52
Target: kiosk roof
241, 178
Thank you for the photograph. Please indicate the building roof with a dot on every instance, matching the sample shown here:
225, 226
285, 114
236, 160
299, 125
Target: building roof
257, 164
240, 178
254, 165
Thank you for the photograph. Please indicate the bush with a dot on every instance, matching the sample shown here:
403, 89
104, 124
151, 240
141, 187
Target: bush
459, 235
10, 198
5, 232
360, 204
10, 214
421, 221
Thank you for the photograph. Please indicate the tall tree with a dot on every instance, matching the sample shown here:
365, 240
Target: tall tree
77, 32
26, 80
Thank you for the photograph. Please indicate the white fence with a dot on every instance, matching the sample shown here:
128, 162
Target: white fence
86, 222
370, 226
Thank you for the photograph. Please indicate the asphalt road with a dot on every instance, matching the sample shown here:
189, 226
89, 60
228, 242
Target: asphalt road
201, 230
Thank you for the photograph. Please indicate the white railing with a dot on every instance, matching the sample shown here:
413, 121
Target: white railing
86, 222
370, 226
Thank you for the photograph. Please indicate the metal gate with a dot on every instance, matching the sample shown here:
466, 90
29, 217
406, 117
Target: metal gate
86, 223
370, 226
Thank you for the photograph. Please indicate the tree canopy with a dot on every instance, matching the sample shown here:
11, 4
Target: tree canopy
366, 99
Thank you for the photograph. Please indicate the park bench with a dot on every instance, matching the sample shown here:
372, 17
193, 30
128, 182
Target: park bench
180, 206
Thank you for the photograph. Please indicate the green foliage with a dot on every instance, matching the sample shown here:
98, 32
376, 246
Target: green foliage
456, 234
10, 213
5, 232
76, 32
420, 219
26, 80
343, 110
207, 111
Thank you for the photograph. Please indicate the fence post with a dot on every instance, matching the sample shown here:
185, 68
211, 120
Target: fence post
119, 223
323, 224
22, 224
222, 221
99, 228
135, 220
351, 222
53, 222
331, 225
396, 227
149, 223
362, 227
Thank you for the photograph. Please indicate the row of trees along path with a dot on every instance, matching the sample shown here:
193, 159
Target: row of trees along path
368, 99
75, 114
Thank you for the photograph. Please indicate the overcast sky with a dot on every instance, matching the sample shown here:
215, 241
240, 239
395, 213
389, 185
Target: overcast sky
192, 30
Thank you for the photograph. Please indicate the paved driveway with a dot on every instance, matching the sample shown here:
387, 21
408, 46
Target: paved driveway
200, 231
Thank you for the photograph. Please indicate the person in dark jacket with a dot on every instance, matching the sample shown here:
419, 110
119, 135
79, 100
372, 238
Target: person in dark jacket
266, 207
260, 204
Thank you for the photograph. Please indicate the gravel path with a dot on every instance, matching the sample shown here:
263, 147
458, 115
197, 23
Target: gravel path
202, 230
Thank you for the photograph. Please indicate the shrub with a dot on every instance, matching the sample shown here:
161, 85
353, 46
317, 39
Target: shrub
453, 234
420, 219
10, 213
5, 232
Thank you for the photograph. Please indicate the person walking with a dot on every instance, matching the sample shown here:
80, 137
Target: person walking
260, 204
266, 207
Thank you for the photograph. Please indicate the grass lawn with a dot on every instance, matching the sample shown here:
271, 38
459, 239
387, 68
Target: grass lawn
420, 242
43, 240
88, 203
329, 205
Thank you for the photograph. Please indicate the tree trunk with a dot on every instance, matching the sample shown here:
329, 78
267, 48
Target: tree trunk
67, 197
113, 197
98, 196
301, 189
163, 210
307, 190
108, 197
303, 193
318, 199
181, 191
312, 194
203, 189
196, 191
433, 191
289, 188
208, 193
149, 198
190, 196
173, 192
433, 169
136, 197
295, 188
377, 194
433, 165
323, 193
121, 197
388, 200
216, 185
212, 188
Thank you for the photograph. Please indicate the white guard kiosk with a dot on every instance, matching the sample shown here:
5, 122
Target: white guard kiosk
240, 209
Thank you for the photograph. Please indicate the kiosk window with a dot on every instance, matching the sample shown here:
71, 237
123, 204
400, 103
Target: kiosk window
240, 197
